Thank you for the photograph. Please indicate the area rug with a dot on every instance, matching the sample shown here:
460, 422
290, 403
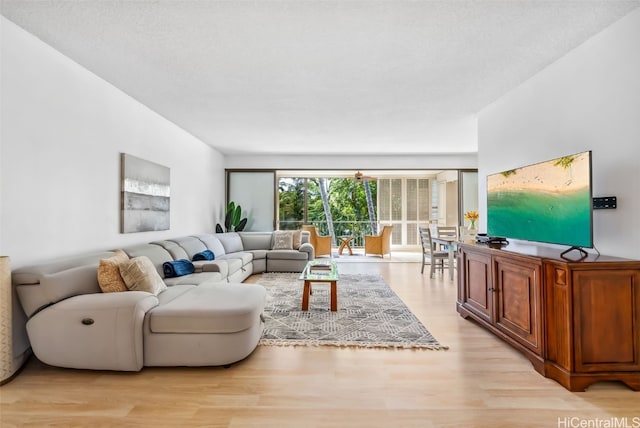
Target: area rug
369, 315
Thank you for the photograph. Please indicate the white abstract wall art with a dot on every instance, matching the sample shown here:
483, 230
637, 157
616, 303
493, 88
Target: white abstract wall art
145, 195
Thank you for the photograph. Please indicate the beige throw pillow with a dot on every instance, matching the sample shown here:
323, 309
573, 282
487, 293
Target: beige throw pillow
297, 239
282, 240
140, 274
109, 277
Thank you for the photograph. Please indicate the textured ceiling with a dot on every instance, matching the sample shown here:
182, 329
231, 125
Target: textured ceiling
370, 77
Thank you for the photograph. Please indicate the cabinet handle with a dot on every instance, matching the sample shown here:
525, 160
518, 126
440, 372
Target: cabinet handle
87, 321
491, 289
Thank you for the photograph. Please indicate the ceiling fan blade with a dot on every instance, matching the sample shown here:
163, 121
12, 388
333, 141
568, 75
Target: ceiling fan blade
359, 177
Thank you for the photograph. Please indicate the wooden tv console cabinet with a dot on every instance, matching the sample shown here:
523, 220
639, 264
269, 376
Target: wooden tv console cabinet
578, 322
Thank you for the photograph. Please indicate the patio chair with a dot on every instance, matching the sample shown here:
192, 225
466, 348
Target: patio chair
379, 244
321, 244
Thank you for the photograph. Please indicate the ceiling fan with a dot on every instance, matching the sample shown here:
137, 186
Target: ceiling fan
359, 177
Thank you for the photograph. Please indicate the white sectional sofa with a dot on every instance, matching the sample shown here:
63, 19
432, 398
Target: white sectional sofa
206, 318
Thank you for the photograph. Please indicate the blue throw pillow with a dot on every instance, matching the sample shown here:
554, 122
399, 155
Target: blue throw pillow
177, 268
204, 255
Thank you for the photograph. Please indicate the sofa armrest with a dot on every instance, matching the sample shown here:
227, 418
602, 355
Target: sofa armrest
101, 331
308, 248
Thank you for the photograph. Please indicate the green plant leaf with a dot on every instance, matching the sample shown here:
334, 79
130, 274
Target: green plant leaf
228, 221
241, 225
236, 216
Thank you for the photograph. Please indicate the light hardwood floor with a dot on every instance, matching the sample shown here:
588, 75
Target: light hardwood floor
478, 382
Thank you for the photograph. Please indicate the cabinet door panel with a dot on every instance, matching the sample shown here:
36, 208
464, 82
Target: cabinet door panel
518, 301
477, 284
606, 320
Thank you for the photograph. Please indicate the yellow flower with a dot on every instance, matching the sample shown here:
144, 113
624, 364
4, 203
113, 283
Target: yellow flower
472, 216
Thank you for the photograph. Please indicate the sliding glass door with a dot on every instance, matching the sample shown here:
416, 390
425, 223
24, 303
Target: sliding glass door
340, 205
255, 192
341, 208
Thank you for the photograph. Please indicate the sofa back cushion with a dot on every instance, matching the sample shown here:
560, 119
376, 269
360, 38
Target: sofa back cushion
191, 245
176, 251
212, 243
157, 254
231, 242
252, 241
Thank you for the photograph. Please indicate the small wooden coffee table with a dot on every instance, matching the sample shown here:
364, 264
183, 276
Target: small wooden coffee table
320, 271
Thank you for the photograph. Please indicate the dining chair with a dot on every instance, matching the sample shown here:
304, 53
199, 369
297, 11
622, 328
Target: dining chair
447, 231
429, 251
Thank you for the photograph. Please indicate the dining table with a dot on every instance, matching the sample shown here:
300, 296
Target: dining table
450, 243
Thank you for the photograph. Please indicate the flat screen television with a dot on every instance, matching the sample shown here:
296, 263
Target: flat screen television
548, 202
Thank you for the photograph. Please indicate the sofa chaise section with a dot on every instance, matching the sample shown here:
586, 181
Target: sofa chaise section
212, 324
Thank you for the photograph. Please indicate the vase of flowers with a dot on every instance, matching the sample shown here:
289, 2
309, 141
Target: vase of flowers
472, 218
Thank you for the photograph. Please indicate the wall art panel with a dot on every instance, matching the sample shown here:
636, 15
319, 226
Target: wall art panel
145, 195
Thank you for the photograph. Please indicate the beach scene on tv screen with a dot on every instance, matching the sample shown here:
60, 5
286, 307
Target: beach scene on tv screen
545, 202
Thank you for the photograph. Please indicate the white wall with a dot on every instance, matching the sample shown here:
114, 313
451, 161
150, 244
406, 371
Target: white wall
364, 161
62, 132
587, 100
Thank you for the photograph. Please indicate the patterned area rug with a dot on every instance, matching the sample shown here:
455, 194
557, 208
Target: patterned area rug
369, 315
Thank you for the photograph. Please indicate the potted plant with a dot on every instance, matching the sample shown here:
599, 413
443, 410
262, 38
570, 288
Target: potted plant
232, 220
